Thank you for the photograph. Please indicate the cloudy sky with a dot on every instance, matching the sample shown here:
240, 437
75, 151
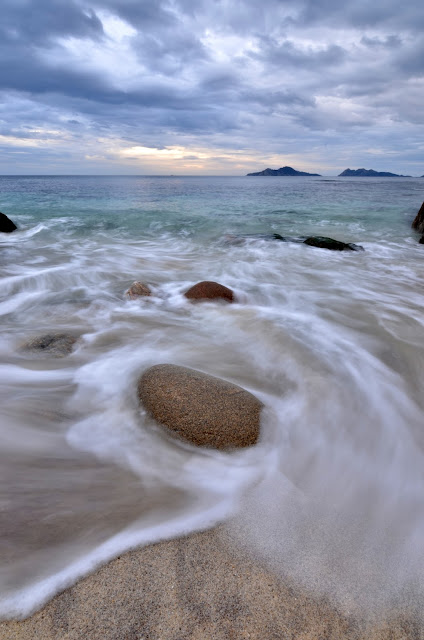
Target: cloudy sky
211, 86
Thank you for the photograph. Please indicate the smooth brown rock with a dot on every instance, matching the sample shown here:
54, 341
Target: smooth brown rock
138, 289
208, 290
418, 223
200, 408
56, 345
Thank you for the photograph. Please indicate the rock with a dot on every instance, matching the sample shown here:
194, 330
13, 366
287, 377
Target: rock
329, 243
208, 290
418, 223
200, 408
421, 240
6, 224
138, 289
232, 239
56, 345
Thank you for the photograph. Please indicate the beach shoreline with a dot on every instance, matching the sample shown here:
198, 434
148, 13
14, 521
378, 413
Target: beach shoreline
194, 588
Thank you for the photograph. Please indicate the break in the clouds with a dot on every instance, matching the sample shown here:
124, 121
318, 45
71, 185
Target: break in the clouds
210, 86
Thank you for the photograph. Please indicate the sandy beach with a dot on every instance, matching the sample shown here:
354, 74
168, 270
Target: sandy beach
195, 588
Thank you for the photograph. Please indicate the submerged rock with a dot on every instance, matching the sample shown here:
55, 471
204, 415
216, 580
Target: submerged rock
329, 243
239, 239
418, 223
138, 289
208, 290
56, 345
6, 224
200, 408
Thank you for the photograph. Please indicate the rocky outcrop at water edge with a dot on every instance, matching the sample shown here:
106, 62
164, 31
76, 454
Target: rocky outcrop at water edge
56, 345
334, 245
138, 289
208, 290
418, 223
200, 408
6, 224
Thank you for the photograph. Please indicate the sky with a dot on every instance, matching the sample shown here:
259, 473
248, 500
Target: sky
211, 87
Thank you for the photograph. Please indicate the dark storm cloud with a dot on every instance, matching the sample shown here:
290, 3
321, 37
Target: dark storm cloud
287, 75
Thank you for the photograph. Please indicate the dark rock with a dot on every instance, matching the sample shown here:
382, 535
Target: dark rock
208, 290
6, 224
421, 240
138, 289
200, 408
329, 243
418, 223
369, 173
283, 171
239, 239
56, 345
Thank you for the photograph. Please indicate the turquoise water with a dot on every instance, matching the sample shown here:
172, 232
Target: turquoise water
207, 207
330, 342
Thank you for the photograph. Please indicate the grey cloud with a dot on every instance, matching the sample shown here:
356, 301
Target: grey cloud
278, 83
142, 14
361, 14
287, 53
28, 23
168, 53
388, 42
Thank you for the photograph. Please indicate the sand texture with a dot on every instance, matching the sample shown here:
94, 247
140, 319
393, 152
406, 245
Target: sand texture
193, 588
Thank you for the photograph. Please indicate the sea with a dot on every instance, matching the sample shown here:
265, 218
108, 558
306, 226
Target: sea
332, 496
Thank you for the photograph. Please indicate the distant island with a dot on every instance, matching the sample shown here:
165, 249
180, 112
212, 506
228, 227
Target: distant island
284, 171
369, 173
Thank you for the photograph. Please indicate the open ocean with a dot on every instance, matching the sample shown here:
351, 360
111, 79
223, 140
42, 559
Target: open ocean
331, 343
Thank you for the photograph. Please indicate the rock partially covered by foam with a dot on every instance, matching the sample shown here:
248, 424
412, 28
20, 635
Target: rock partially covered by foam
6, 224
334, 245
138, 289
200, 408
56, 345
418, 223
208, 290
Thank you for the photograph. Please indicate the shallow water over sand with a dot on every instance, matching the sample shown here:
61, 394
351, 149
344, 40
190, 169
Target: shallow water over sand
330, 342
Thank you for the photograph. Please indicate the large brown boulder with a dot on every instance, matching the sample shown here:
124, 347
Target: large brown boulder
138, 289
418, 223
200, 408
6, 224
208, 290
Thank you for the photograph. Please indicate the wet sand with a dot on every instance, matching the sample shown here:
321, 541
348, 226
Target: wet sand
194, 588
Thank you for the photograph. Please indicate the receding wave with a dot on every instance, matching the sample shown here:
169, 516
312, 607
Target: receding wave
331, 342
